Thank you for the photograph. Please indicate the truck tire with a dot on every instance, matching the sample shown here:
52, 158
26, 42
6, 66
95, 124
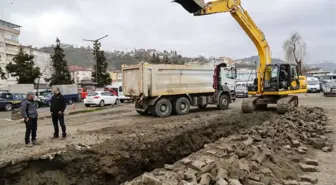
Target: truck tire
181, 106
162, 108
224, 102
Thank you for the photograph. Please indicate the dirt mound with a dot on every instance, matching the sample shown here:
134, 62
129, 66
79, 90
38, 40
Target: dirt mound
271, 153
131, 152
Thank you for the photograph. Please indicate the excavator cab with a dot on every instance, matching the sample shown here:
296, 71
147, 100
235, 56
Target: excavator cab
281, 77
192, 6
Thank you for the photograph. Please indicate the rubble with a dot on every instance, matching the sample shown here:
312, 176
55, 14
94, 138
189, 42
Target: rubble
261, 155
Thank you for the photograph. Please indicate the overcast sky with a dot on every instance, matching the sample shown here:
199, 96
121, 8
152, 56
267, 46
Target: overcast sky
161, 24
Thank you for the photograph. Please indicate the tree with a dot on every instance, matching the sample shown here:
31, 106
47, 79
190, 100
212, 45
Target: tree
61, 74
295, 50
100, 74
23, 68
155, 59
2, 73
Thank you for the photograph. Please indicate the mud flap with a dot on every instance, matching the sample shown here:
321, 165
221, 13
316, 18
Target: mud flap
192, 6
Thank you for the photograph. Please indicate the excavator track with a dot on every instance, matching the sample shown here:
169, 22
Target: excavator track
286, 103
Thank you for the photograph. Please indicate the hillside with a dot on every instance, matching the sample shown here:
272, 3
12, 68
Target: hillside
83, 56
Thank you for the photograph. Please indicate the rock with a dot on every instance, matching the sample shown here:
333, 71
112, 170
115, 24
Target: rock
287, 147
271, 133
259, 158
254, 166
295, 143
265, 180
197, 165
183, 182
234, 182
294, 158
222, 173
150, 180
308, 178
254, 177
241, 153
317, 143
301, 151
186, 161
326, 149
243, 165
190, 177
191, 171
257, 138
311, 161
205, 179
290, 182
249, 141
266, 171
221, 181
252, 182
305, 183
168, 167
307, 168
208, 167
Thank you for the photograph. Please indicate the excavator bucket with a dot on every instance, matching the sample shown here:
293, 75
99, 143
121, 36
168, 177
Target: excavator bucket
192, 6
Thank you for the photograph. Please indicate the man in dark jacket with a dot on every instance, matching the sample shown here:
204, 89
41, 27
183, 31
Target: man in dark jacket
57, 108
29, 114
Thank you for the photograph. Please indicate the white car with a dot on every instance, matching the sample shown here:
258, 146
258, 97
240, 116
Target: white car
100, 98
313, 84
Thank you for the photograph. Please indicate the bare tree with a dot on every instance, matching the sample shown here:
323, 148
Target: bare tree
295, 50
43, 72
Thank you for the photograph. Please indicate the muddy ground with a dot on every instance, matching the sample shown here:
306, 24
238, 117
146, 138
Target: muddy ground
118, 145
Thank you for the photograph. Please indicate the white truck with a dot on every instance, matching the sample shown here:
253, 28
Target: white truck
18, 88
118, 89
70, 92
162, 89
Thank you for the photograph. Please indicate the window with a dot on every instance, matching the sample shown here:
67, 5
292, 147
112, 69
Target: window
92, 94
293, 72
120, 88
105, 94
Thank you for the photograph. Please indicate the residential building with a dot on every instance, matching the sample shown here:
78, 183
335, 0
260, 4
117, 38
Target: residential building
116, 75
79, 74
42, 60
9, 46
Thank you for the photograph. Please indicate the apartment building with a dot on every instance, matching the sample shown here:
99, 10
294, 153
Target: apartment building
79, 73
9, 46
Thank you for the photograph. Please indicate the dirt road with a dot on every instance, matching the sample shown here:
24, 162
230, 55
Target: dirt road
115, 145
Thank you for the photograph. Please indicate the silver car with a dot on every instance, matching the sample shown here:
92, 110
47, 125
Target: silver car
330, 88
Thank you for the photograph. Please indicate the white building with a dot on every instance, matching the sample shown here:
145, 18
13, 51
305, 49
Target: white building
9, 46
79, 73
42, 60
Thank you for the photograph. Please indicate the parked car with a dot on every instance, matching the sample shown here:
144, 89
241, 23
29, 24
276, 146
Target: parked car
241, 92
9, 101
330, 88
100, 98
313, 84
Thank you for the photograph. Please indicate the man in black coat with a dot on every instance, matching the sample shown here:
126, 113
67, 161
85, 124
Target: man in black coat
57, 108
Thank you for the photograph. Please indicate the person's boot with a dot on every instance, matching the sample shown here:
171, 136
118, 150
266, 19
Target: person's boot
29, 145
64, 135
35, 142
55, 136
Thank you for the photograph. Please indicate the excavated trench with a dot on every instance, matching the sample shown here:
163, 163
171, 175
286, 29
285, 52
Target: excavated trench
122, 159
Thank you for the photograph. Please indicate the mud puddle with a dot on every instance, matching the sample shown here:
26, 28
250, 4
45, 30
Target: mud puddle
131, 153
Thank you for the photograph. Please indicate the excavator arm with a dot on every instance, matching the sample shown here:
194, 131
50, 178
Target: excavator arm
199, 8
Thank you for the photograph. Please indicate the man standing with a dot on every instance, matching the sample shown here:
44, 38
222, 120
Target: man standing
29, 114
57, 108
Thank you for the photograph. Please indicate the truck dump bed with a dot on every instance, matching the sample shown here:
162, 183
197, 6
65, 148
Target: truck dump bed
153, 80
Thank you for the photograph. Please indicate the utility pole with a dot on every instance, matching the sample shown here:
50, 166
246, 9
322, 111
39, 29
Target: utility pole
96, 41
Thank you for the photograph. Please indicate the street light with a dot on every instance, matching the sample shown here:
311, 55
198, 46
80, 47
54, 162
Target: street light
96, 41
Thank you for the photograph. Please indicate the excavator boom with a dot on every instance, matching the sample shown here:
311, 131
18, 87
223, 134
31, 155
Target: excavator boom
199, 8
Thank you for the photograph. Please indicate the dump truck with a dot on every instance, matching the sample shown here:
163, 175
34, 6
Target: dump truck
164, 89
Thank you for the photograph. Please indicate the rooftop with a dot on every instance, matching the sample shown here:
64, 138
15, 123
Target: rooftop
8, 24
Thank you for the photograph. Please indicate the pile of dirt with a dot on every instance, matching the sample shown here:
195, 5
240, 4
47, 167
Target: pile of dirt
272, 153
130, 153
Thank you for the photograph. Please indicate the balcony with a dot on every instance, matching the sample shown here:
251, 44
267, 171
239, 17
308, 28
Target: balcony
12, 42
12, 51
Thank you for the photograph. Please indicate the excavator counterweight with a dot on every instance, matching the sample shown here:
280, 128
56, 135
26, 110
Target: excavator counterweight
192, 6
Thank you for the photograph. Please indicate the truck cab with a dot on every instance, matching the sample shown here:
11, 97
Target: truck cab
117, 89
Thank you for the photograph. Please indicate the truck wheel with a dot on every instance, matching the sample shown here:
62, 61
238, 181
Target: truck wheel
202, 106
122, 101
181, 106
162, 108
223, 103
8, 107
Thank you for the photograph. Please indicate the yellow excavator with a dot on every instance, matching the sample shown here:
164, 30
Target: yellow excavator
275, 83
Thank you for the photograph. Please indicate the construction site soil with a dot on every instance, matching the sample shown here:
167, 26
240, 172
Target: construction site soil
221, 147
